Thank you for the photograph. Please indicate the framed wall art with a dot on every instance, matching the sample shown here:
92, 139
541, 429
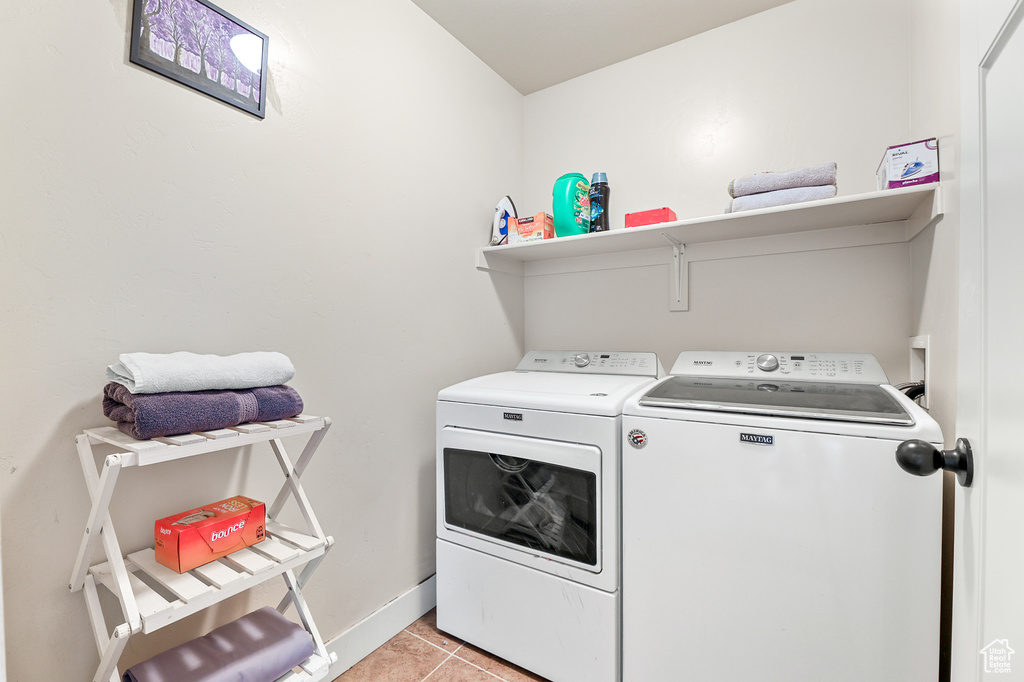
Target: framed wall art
200, 45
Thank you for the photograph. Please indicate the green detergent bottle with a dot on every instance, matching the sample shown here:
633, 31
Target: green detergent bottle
570, 205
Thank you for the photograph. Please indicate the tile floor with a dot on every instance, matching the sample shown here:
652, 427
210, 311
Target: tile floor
422, 653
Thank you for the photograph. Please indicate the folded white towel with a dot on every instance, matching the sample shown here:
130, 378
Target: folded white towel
812, 176
184, 371
781, 197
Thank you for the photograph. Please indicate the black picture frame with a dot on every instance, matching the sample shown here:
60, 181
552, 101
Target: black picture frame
198, 44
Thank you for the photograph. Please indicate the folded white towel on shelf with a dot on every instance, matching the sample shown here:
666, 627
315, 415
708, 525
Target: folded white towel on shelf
780, 197
811, 176
184, 371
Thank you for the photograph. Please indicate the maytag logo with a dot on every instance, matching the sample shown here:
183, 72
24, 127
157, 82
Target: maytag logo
757, 439
514, 416
703, 363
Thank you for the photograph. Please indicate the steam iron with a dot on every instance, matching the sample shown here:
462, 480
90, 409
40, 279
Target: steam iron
911, 169
499, 228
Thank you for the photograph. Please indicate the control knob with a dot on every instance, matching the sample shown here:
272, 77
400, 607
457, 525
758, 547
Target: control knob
581, 360
767, 362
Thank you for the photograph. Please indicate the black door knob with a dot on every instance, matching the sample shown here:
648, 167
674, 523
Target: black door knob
921, 458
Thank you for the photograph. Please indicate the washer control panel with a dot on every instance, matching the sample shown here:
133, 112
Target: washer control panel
860, 368
592, 362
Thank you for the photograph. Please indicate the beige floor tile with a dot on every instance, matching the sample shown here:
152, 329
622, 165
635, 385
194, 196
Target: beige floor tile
426, 627
496, 666
405, 658
457, 670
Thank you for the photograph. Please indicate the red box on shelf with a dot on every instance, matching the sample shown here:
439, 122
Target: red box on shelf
651, 217
199, 536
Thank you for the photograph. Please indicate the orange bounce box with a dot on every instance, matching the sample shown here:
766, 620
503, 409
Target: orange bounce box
199, 536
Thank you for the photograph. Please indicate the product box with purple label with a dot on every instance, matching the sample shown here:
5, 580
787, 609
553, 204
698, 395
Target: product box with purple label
915, 163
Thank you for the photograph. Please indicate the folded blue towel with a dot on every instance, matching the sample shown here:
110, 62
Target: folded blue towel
258, 647
149, 415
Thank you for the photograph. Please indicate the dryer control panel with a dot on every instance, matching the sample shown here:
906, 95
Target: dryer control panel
859, 368
592, 362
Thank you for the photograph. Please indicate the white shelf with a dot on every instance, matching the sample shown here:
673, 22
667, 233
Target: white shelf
911, 209
164, 596
153, 596
884, 217
889, 206
146, 452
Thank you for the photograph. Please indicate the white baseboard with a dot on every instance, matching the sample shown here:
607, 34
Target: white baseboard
360, 640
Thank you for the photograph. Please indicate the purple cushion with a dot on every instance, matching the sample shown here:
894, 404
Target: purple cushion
258, 647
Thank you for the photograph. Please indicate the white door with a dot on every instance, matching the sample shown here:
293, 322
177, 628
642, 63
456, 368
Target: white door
988, 593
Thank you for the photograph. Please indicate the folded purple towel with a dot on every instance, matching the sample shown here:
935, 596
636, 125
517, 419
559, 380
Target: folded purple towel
258, 647
772, 181
148, 415
780, 197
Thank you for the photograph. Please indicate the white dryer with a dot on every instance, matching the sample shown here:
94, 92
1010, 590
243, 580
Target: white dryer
768, 532
528, 510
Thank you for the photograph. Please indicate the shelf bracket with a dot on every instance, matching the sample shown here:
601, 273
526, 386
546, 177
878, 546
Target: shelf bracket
296, 597
926, 215
100, 488
101, 493
293, 485
678, 285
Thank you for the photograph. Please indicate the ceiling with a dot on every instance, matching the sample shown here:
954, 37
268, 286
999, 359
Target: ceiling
534, 44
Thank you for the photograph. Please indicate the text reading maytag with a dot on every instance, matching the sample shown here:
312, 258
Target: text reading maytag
757, 439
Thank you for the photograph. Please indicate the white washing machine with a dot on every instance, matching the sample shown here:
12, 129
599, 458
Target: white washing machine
528, 510
768, 532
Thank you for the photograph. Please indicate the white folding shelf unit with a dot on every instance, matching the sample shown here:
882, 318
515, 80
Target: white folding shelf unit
151, 595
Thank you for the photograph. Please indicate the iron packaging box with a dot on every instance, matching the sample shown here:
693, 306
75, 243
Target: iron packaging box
915, 163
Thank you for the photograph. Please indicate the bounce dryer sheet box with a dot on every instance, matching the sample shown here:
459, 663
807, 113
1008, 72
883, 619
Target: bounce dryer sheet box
534, 228
199, 536
651, 217
915, 163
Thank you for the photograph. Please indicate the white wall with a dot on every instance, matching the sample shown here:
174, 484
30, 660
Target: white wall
797, 85
935, 112
809, 81
141, 215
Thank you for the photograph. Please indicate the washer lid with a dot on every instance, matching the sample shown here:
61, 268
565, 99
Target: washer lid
865, 403
584, 382
595, 394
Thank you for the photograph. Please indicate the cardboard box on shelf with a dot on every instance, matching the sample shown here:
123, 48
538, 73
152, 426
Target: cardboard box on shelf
534, 228
914, 163
199, 536
651, 217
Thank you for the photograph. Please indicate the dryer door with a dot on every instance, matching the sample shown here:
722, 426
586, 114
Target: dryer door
525, 494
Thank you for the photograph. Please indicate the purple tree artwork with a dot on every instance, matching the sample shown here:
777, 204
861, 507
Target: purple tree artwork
203, 47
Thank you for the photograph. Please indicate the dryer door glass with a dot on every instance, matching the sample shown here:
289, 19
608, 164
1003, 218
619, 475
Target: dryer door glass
536, 505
